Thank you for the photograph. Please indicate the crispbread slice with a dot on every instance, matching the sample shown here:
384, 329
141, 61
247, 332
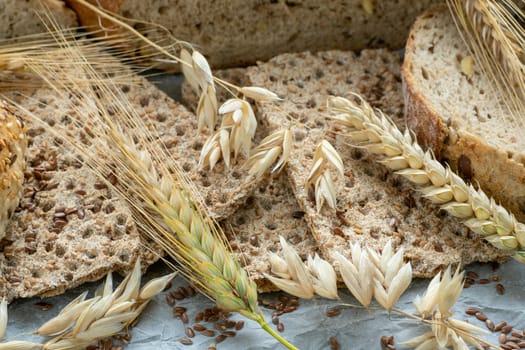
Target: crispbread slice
254, 230
373, 205
70, 228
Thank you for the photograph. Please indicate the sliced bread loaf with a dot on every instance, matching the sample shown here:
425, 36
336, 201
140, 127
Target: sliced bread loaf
373, 205
239, 32
70, 228
18, 18
459, 116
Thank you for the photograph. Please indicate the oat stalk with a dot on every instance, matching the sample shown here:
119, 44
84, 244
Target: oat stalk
372, 130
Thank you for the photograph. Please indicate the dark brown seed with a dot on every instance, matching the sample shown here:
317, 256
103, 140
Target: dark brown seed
186, 341
190, 332
516, 333
513, 338
177, 295
199, 317
521, 344
213, 318
481, 316
505, 347
384, 340
280, 327
490, 325
467, 284
334, 344
512, 344
502, 339
506, 329
219, 326
333, 312
208, 333
212, 347
184, 318
391, 340
198, 327
239, 325
471, 311
289, 308
230, 324
500, 326
484, 281
500, 289
229, 333
471, 274
275, 320
170, 300
220, 338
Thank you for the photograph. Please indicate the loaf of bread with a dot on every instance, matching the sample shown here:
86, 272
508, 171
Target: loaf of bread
459, 116
373, 204
70, 227
240, 32
19, 18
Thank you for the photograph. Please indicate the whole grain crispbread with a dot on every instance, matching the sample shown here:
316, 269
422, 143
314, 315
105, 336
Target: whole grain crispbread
70, 228
373, 205
254, 230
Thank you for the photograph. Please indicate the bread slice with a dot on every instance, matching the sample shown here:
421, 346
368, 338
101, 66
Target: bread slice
70, 228
19, 18
233, 33
461, 118
373, 205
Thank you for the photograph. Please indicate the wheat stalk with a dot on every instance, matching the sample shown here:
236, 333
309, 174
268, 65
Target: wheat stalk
372, 130
166, 203
493, 31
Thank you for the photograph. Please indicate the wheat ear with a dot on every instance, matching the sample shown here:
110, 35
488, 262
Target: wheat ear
494, 33
166, 204
375, 132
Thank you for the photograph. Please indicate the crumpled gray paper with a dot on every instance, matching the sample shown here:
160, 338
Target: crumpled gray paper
307, 328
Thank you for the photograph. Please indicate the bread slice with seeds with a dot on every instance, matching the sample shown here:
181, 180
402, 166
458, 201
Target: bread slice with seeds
70, 228
373, 205
461, 118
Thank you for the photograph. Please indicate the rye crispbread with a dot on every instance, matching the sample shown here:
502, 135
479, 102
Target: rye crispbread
373, 205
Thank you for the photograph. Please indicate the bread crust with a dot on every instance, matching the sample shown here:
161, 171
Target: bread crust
500, 173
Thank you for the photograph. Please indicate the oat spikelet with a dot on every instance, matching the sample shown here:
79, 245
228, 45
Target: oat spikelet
267, 153
493, 30
293, 276
239, 119
13, 144
320, 177
392, 276
372, 130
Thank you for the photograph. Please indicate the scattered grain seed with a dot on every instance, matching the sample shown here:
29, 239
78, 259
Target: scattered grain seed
506, 329
239, 325
490, 325
208, 333
184, 318
275, 320
484, 281
212, 347
190, 332
177, 295
280, 327
505, 347
471, 311
471, 274
219, 326
334, 344
198, 327
199, 317
517, 334
384, 340
333, 312
513, 339
170, 300
500, 326
186, 341
512, 344
502, 338
521, 344
220, 338
500, 289
481, 316
229, 333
